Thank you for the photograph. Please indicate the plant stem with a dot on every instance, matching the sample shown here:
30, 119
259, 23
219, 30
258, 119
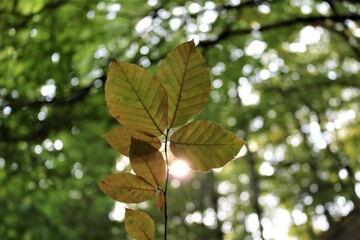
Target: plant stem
166, 183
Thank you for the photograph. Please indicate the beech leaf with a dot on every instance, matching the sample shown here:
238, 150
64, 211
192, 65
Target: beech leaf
136, 98
205, 145
126, 187
147, 162
160, 201
120, 138
139, 225
187, 81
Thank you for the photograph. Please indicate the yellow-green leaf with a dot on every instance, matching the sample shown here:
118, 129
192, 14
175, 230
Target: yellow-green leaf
126, 187
136, 98
205, 145
147, 162
139, 225
187, 81
120, 137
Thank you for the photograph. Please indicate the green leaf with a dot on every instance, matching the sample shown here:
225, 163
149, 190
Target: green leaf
136, 98
147, 162
139, 225
205, 145
187, 81
126, 187
120, 138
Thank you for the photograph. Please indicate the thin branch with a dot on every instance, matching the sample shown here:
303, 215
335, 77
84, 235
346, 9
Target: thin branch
319, 84
254, 185
25, 19
166, 184
214, 197
76, 97
340, 160
228, 7
342, 33
315, 20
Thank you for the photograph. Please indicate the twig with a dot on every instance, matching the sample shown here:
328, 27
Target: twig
166, 184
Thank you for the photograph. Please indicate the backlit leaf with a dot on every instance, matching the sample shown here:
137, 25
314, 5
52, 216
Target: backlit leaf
120, 137
126, 187
136, 98
147, 162
187, 81
160, 201
205, 145
139, 225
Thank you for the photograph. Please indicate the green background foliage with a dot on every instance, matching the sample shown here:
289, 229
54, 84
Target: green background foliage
285, 77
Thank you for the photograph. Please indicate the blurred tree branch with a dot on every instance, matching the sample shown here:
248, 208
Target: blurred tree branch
255, 188
24, 19
315, 20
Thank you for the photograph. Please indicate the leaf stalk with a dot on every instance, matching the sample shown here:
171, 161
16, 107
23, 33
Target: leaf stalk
166, 183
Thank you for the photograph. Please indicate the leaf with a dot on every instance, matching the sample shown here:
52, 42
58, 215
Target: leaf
205, 145
120, 138
126, 187
139, 225
187, 81
147, 162
136, 98
160, 201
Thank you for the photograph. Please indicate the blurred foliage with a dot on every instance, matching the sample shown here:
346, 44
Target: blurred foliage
285, 78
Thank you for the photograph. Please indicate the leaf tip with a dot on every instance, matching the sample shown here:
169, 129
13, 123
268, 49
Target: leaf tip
191, 44
101, 183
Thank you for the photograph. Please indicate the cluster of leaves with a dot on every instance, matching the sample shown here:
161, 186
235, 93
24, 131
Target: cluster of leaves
152, 111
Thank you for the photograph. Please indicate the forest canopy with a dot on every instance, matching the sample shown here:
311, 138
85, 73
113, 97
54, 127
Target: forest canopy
284, 77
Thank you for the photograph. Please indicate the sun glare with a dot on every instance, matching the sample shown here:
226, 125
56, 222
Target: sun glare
179, 169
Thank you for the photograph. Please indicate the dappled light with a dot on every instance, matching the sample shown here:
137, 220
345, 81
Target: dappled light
118, 212
122, 163
284, 77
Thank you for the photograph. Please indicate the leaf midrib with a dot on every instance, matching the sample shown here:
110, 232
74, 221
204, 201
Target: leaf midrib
143, 231
151, 172
204, 144
139, 189
181, 87
132, 87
